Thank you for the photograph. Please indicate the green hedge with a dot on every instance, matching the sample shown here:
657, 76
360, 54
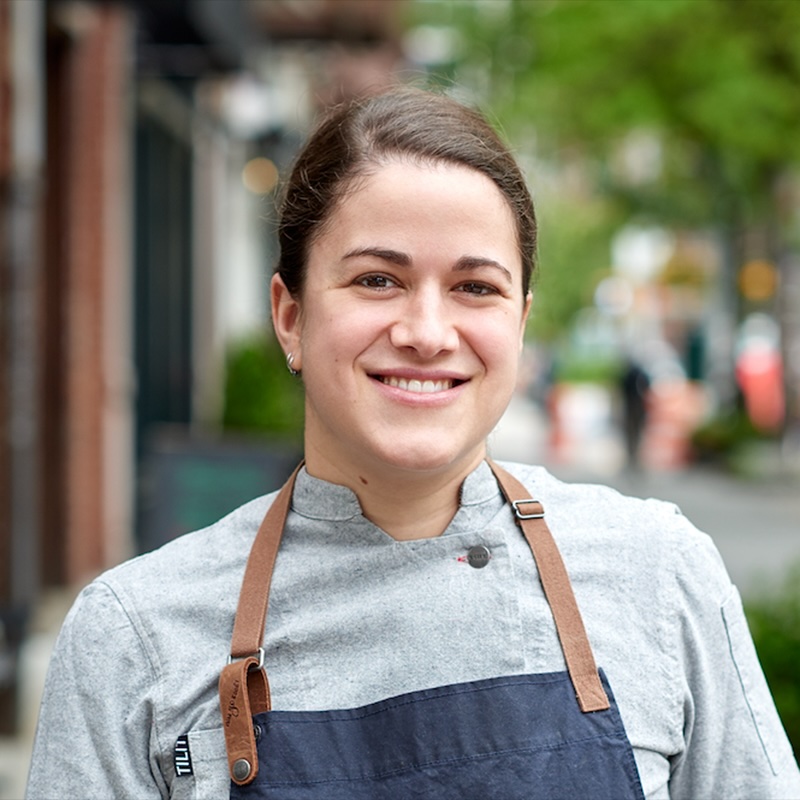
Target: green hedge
728, 439
774, 618
261, 396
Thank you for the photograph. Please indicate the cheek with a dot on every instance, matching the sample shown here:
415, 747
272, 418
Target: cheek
336, 336
497, 342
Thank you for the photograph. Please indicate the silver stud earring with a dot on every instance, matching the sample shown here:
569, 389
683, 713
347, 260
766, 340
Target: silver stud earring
289, 362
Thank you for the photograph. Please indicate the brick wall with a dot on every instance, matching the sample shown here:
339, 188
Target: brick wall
90, 212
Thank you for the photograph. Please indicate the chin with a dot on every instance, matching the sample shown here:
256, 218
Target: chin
427, 459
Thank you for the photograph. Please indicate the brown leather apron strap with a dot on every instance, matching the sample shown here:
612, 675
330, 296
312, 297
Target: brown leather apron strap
558, 591
248, 629
243, 684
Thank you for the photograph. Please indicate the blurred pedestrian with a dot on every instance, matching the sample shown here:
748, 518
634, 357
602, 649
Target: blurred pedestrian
424, 637
634, 389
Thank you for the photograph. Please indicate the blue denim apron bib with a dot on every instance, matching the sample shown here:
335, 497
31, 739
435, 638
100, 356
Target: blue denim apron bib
548, 735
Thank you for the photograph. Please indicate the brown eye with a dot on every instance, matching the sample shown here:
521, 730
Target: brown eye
479, 289
376, 281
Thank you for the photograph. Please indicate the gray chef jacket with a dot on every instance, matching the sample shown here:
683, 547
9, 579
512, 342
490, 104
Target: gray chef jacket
131, 710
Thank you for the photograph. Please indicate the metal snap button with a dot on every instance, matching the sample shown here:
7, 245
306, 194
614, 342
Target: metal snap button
241, 769
478, 556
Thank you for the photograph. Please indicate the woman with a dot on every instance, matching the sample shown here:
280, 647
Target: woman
414, 646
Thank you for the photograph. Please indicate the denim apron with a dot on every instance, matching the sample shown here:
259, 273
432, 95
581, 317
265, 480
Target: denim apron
545, 735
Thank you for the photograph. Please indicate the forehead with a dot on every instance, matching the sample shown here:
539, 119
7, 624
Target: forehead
425, 203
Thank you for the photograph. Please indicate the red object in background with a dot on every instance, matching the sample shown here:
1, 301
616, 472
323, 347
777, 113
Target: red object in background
675, 408
759, 372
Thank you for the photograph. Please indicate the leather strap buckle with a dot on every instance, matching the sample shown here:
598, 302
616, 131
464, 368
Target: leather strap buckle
259, 654
539, 514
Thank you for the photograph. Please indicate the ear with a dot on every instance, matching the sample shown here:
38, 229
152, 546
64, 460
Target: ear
286, 319
525, 313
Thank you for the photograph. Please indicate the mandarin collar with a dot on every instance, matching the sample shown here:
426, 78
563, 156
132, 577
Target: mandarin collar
319, 499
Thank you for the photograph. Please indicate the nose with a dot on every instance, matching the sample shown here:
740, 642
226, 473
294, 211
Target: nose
425, 324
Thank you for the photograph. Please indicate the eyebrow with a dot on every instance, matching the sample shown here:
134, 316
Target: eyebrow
393, 256
464, 264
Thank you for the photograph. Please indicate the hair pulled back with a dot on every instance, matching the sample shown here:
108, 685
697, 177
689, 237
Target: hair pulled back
358, 137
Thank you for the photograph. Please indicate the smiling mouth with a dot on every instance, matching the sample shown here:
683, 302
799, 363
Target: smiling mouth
417, 386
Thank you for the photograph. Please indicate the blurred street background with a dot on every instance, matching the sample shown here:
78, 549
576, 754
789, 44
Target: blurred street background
142, 394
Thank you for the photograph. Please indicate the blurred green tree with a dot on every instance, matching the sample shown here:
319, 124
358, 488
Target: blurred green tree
718, 79
573, 247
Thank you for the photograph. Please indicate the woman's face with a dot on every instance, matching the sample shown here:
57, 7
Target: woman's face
409, 328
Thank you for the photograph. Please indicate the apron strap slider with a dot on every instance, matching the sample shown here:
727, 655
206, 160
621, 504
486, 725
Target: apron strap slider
259, 655
537, 512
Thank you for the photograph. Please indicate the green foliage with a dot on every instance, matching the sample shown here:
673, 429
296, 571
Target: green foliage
774, 619
720, 434
261, 396
574, 255
603, 372
716, 72
722, 438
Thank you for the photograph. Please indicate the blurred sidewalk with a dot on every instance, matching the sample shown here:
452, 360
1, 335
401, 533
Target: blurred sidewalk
755, 524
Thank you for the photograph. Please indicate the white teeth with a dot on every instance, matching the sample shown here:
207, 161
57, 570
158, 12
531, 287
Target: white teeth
420, 387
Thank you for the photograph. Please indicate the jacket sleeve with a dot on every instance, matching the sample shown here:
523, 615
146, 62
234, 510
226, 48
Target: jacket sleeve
96, 735
734, 743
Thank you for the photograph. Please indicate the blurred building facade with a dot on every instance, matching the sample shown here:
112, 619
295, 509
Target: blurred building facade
130, 251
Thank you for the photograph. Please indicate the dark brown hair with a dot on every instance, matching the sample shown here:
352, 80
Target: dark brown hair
357, 137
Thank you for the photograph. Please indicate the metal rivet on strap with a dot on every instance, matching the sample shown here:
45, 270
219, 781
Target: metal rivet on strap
241, 769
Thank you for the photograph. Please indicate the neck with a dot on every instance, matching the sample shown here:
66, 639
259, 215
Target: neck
405, 504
